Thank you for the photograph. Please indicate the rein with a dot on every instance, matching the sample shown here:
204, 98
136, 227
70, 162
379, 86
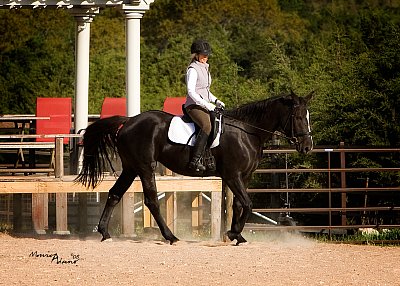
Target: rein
293, 139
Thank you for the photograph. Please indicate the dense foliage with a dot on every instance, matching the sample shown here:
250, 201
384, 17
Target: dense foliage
345, 50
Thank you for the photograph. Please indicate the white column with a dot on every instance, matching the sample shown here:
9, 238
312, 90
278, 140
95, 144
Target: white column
83, 19
132, 62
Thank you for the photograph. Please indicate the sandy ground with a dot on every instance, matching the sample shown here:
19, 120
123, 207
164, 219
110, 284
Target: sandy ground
282, 260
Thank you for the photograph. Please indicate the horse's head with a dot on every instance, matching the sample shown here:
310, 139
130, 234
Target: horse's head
297, 124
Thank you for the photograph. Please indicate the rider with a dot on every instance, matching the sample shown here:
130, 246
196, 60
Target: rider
199, 100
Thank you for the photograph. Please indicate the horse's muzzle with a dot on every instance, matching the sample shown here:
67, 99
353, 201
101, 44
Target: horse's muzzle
305, 144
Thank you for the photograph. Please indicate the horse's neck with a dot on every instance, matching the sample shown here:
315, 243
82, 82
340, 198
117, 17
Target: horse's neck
267, 128
263, 129
262, 118
273, 118
270, 122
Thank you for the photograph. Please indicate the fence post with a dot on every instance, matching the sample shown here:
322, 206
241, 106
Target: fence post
330, 191
195, 213
59, 158
61, 198
128, 216
40, 213
171, 210
343, 181
61, 214
216, 203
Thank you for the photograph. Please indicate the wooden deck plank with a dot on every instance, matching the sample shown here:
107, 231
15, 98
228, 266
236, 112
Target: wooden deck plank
27, 170
42, 184
27, 145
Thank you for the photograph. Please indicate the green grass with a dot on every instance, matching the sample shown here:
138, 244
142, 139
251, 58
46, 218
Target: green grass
382, 237
5, 228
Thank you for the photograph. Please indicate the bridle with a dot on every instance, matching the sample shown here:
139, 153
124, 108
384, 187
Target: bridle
293, 139
294, 135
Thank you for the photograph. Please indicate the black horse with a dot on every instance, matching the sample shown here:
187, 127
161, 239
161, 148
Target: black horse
141, 142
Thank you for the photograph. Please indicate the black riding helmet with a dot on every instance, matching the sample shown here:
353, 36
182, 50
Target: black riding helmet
200, 47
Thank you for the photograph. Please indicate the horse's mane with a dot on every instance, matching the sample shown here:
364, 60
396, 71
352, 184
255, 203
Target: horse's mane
253, 111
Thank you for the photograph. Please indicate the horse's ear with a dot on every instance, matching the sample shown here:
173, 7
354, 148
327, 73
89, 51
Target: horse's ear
294, 97
290, 99
308, 97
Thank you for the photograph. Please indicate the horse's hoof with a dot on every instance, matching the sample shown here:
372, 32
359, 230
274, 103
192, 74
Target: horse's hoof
232, 236
173, 241
106, 237
107, 240
240, 240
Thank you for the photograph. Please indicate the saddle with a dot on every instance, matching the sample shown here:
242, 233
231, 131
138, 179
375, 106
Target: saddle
216, 126
182, 130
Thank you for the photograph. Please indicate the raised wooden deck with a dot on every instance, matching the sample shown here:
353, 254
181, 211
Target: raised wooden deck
41, 186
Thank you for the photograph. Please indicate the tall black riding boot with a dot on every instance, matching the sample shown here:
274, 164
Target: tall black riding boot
199, 147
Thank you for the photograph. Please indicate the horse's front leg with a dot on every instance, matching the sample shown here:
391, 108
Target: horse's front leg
235, 226
114, 196
242, 208
151, 201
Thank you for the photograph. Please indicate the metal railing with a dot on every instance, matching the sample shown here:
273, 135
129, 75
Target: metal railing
344, 211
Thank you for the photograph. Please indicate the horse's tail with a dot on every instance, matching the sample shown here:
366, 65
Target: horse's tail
99, 143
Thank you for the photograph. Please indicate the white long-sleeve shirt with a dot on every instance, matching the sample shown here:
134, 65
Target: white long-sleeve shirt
198, 81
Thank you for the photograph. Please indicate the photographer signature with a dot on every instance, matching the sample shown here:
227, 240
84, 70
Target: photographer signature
55, 258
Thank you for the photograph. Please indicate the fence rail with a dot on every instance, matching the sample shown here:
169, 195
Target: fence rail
326, 190
343, 211
333, 170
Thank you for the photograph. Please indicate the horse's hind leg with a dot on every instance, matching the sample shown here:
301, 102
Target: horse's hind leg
151, 201
114, 196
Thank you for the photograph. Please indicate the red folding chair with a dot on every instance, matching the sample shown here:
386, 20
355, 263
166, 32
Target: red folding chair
59, 109
173, 105
113, 106
60, 112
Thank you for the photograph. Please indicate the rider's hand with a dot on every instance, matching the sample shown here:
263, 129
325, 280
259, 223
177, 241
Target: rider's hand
219, 104
210, 106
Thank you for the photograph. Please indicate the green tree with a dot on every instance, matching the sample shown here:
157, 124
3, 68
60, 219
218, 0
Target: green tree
36, 57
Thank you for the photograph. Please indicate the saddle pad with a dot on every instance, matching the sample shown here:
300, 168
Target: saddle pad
180, 132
